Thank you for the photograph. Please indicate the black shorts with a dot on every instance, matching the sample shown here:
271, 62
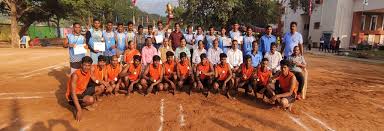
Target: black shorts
75, 65
291, 98
88, 92
206, 82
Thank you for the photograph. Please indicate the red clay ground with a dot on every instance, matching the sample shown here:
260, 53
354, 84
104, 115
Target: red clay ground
342, 95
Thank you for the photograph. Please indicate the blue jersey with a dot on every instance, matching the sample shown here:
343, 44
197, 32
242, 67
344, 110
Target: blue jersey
79, 41
96, 36
109, 38
247, 45
209, 41
121, 38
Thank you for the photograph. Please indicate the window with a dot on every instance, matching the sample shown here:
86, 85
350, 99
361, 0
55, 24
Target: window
362, 23
318, 1
316, 25
372, 25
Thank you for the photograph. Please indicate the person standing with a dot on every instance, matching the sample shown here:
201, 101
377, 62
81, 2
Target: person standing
160, 32
73, 40
110, 42
248, 40
95, 35
121, 40
130, 33
176, 36
338, 44
210, 38
321, 48
189, 37
236, 33
333, 45
290, 40
148, 52
266, 40
140, 38
224, 40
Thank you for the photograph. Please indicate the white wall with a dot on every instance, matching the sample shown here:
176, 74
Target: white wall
343, 22
372, 4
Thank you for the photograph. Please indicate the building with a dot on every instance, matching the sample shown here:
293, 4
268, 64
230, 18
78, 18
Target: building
351, 20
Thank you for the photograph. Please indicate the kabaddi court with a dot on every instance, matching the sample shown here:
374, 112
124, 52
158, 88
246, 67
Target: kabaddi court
342, 95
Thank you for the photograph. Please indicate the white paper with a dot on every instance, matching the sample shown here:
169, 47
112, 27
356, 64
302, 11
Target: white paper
159, 38
79, 49
239, 39
100, 46
227, 42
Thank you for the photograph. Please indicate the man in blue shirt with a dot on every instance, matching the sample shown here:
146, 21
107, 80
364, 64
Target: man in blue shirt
290, 40
266, 40
110, 42
256, 55
248, 40
95, 35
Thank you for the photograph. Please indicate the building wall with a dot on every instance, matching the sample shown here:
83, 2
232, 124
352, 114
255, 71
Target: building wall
372, 5
343, 22
371, 36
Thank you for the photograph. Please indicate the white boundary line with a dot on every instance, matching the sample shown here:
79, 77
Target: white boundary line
53, 66
21, 97
161, 114
380, 106
298, 122
181, 116
319, 121
23, 93
25, 127
7, 124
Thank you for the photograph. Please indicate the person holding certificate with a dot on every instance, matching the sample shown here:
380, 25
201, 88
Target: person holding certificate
96, 40
76, 44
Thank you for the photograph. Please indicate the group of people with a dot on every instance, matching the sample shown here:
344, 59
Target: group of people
212, 63
330, 46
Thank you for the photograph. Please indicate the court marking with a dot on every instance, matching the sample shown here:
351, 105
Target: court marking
161, 114
32, 73
21, 97
23, 93
7, 124
181, 116
323, 124
298, 122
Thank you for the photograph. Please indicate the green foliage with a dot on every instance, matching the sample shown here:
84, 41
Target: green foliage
225, 12
301, 4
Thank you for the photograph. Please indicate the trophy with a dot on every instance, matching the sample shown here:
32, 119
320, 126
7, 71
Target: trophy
169, 11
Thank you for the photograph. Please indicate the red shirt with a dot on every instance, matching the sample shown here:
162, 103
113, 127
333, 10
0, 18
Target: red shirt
176, 39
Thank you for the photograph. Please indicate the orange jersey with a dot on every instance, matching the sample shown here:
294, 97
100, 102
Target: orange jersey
169, 68
155, 73
113, 73
81, 83
203, 69
99, 73
184, 69
263, 76
223, 71
134, 72
129, 55
246, 72
284, 82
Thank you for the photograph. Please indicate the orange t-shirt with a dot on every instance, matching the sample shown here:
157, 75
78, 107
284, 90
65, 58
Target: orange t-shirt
223, 71
184, 69
246, 72
134, 72
99, 73
203, 69
154, 73
81, 83
169, 68
113, 73
263, 76
284, 82
129, 55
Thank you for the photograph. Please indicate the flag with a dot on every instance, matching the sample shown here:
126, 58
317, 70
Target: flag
310, 8
133, 2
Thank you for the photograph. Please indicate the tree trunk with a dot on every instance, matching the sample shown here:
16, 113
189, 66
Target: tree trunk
58, 27
14, 26
25, 27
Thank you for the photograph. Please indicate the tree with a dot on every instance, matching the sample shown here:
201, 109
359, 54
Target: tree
224, 12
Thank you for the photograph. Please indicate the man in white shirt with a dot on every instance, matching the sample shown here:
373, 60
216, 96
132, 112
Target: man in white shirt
274, 57
235, 56
214, 53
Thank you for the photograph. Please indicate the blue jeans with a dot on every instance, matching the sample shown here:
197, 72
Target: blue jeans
95, 56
